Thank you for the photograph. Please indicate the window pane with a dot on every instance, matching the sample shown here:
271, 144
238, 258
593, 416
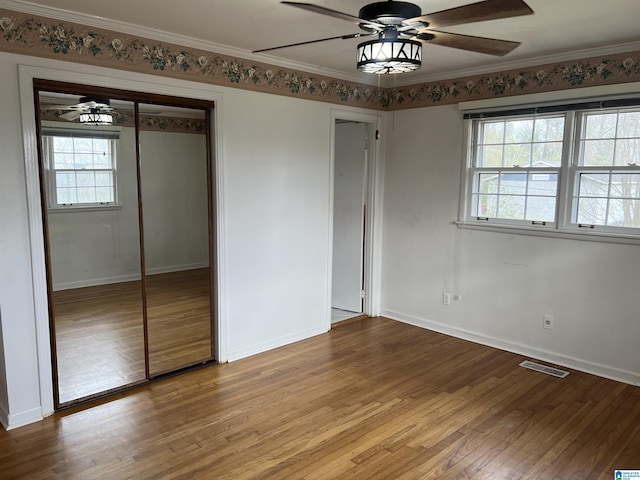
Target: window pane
492, 132
541, 209
66, 195
490, 156
103, 179
543, 184
602, 125
85, 179
517, 155
83, 161
593, 185
627, 152
100, 145
62, 144
592, 211
65, 179
513, 183
511, 207
86, 195
625, 185
547, 155
624, 213
104, 194
629, 124
549, 130
487, 183
518, 131
82, 145
487, 206
63, 161
101, 161
598, 153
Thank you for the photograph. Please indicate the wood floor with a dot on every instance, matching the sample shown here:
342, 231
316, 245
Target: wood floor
100, 338
374, 399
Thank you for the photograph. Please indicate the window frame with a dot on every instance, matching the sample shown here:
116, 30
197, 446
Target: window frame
47, 135
566, 220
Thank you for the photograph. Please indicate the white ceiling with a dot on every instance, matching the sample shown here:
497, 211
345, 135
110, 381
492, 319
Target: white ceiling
559, 30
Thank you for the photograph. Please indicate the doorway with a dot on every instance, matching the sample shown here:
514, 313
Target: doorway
350, 194
127, 215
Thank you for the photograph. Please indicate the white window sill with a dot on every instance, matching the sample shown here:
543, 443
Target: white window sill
84, 208
605, 237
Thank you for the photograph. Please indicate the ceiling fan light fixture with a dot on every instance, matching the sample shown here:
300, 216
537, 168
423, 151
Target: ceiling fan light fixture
389, 56
96, 117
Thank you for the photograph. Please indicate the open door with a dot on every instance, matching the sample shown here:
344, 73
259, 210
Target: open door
349, 216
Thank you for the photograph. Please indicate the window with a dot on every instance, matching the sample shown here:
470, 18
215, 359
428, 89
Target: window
575, 168
80, 167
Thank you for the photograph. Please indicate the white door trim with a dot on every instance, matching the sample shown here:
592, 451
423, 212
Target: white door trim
126, 81
374, 191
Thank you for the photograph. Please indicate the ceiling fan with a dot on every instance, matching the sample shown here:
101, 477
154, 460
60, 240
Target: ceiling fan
89, 110
401, 29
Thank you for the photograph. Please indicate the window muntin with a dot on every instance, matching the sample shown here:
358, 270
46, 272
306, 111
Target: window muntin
528, 169
81, 169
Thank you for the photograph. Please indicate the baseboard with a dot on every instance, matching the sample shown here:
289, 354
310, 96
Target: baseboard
9, 421
126, 278
176, 268
581, 365
4, 417
237, 354
95, 281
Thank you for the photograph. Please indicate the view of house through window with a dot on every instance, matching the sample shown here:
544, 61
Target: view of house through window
81, 168
532, 170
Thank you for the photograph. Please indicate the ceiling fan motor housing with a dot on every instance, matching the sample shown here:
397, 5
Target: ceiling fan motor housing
389, 13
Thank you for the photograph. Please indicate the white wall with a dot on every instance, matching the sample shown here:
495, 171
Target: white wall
507, 282
277, 179
348, 201
274, 169
174, 199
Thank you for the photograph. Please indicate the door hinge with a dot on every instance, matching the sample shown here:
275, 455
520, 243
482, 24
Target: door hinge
363, 294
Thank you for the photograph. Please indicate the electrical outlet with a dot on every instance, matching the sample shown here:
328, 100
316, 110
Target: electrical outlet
547, 321
446, 298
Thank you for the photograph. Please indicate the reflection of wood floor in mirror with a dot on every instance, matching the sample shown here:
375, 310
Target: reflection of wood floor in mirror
99, 332
179, 319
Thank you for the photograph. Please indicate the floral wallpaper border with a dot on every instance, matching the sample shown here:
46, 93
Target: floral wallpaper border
45, 37
147, 122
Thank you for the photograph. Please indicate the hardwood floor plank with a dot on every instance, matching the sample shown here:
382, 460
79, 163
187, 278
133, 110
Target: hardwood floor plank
369, 400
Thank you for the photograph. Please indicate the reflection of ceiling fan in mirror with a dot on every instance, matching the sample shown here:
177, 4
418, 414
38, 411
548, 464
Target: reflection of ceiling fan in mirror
89, 111
401, 29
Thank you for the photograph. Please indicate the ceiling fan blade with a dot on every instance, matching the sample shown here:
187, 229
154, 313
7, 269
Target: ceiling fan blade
474, 12
60, 107
70, 116
339, 37
332, 13
490, 46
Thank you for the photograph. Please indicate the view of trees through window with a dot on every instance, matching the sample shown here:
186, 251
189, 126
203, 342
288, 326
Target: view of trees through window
518, 162
610, 195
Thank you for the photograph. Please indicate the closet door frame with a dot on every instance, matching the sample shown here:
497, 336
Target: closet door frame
136, 97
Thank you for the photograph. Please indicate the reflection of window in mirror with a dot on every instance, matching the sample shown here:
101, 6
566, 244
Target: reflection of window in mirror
80, 166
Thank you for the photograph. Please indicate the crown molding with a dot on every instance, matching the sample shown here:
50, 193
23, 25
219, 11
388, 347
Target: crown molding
183, 40
522, 63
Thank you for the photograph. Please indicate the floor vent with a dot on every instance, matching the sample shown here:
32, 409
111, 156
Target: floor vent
544, 369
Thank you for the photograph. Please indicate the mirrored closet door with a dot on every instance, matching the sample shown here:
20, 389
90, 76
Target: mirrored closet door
128, 225
174, 191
